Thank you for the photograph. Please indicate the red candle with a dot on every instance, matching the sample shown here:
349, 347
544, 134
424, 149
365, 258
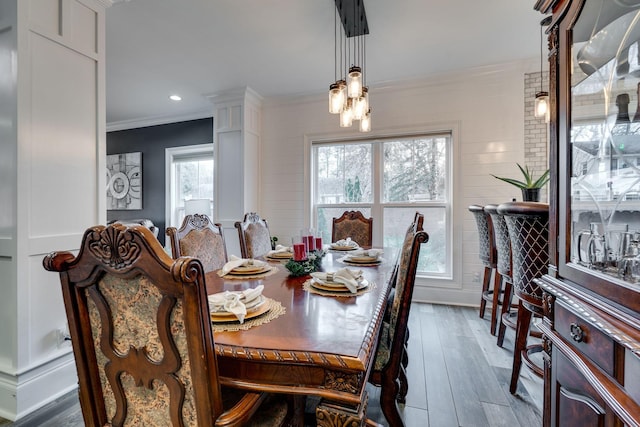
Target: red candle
311, 244
299, 252
319, 243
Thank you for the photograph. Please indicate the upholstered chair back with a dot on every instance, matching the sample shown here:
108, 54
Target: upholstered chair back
140, 331
486, 242
354, 225
200, 238
254, 236
528, 225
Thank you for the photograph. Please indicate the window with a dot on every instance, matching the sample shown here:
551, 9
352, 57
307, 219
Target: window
389, 179
190, 182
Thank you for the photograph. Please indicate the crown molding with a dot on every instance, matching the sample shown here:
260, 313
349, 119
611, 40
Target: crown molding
158, 120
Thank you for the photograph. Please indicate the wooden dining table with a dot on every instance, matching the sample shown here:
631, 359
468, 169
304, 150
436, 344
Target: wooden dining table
321, 346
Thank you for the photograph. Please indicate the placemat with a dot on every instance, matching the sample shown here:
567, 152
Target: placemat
276, 309
274, 270
307, 287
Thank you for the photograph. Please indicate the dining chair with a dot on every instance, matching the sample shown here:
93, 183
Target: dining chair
389, 369
142, 338
502, 273
354, 225
253, 232
487, 254
200, 238
528, 225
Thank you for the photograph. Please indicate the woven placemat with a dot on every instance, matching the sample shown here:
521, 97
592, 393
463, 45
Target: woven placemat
274, 270
307, 287
276, 309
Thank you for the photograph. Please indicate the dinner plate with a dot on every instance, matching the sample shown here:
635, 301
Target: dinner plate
363, 259
250, 306
336, 287
344, 248
359, 260
249, 269
280, 255
254, 312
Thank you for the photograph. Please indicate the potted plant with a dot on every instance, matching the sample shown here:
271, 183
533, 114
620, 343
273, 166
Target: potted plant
530, 186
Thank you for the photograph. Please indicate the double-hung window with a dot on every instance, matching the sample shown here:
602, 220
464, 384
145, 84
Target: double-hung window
389, 179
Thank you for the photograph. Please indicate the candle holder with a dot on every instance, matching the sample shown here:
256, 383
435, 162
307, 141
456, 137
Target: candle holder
306, 266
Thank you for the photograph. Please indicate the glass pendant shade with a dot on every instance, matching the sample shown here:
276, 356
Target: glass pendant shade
346, 115
541, 106
354, 82
365, 122
337, 97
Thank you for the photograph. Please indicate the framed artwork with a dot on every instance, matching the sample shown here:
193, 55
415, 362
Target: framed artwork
124, 181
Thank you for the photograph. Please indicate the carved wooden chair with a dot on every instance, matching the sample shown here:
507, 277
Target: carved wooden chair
389, 365
488, 255
142, 339
353, 224
528, 225
254, 236
200, 238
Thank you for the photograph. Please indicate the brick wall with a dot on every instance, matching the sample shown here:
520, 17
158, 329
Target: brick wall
536, 131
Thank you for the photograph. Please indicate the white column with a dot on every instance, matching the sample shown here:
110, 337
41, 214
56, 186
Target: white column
52, 179
237, 145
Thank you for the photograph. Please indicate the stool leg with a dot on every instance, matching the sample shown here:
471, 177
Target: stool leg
504, 310
486, 279
522, 332
497, 285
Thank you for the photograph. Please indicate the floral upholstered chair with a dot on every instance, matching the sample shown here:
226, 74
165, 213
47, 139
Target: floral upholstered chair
142, 339
253, 232
389, 366
354, 225
200, 238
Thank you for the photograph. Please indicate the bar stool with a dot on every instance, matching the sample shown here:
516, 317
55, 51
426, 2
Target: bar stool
502, 280
528, 225
487, 254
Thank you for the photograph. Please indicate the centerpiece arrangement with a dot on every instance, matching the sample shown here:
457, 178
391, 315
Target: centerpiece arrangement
306, 266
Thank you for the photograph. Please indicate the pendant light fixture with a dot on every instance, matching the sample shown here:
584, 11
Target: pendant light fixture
541, 104
349, 95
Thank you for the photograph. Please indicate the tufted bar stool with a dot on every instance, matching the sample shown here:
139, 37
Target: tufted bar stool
487, 254
502, 278
528, 225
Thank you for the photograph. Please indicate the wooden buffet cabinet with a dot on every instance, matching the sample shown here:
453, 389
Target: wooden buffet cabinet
591, 294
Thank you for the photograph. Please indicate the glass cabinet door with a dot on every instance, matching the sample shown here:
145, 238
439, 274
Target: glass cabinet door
604, 136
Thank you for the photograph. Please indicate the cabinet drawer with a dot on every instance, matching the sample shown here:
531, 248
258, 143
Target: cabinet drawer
585, 338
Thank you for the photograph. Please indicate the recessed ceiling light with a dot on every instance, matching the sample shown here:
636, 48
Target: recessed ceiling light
175, 98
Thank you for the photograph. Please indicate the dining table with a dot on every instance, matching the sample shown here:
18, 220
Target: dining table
320, 345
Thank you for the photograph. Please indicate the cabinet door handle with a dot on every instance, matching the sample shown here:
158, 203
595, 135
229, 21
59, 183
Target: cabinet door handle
577, 334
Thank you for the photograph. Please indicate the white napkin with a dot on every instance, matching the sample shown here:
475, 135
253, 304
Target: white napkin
235, 262
345, 276
374, 253
280, 249
234, 302
346, 242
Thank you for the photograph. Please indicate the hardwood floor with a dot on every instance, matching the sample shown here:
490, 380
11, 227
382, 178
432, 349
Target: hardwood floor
457, 377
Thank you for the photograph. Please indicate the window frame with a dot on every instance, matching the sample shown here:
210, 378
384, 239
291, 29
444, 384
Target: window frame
377, 206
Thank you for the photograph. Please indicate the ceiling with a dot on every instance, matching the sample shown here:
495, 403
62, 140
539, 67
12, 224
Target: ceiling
195, 48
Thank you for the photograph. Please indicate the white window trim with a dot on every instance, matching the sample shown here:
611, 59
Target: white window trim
169, 156
453, 127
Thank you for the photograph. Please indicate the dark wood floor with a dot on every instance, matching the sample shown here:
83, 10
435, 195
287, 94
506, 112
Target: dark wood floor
457, 377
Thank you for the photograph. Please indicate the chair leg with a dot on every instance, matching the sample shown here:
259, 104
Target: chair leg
389, 391
522, 332
404, 386
504, 310
485, 287
497, 286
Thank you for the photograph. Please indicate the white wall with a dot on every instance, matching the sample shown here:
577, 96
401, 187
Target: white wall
52, 145
485, 104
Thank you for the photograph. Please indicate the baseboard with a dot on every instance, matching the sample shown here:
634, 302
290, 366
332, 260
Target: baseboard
21, 395
463, 297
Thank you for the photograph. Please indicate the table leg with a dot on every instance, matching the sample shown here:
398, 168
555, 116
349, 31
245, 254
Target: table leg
331, 414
